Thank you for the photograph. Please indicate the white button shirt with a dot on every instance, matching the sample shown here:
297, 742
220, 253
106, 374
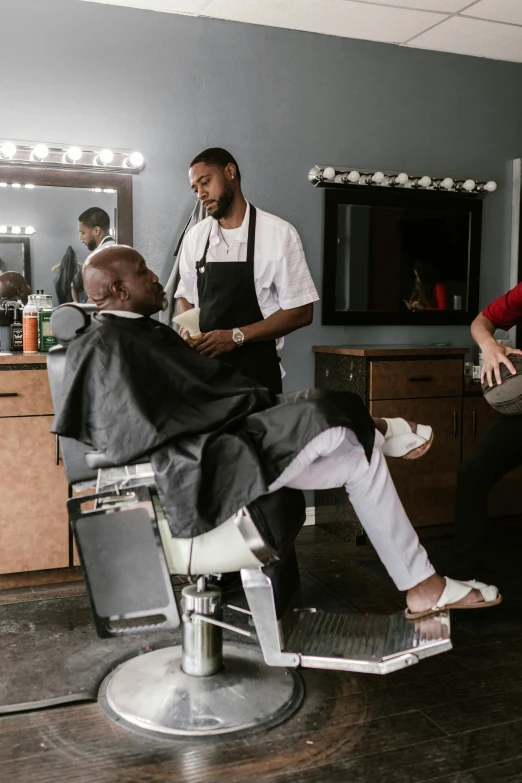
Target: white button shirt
281, 275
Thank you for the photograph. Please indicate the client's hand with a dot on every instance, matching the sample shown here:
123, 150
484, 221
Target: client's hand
185, 334
494, 355
414, 306
215, 343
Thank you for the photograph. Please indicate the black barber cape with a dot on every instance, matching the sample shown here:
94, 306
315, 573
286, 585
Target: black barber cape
216, 439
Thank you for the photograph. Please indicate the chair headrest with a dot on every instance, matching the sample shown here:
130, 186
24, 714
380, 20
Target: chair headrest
69, 320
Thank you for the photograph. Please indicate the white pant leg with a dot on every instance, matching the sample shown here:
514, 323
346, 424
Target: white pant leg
336, 459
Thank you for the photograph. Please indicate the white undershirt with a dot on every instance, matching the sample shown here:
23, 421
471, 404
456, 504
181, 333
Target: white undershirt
229, 236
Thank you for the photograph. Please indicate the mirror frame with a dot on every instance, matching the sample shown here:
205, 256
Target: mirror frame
382, 197
26, 252
56, 178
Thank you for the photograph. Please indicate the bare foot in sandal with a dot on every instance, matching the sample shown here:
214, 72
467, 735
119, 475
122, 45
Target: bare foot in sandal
404, 439
437, 593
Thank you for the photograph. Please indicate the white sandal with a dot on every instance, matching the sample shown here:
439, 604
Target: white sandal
401, 441
454, 592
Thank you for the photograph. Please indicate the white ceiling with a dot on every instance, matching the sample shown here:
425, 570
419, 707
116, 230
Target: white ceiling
481, 28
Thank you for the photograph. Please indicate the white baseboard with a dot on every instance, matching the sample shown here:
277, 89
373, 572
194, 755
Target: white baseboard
310, 516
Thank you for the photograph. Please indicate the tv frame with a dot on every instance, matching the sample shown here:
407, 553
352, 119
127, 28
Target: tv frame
375, 196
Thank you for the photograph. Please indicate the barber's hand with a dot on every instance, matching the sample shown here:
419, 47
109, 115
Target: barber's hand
494, 355
215, 343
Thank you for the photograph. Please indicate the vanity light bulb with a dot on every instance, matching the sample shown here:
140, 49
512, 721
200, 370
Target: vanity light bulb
16, 230
136, 160
40, 152
378, 177
354, 177
8, 149
329, 172
30, 230
425, 182
16, 185
401, 179
490, 186
447, 183
469, 185
105, 157
3, 184
3, 229
29, 186
73, 155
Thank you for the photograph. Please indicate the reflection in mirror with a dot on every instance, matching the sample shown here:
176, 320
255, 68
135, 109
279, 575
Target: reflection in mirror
401, 259
56, 251
15, 256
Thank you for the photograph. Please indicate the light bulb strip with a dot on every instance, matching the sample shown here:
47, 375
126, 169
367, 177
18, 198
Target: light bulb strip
355, 176
18, 231
38, 154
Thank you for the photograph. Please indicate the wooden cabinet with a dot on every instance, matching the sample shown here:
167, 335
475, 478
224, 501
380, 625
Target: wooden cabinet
423, 385
427, 486
34, 531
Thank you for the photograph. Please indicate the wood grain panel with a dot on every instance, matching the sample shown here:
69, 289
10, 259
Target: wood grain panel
417, 378
426, 486
32, 390
33, 495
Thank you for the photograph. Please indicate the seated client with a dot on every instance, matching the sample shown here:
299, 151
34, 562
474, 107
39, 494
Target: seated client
217, 440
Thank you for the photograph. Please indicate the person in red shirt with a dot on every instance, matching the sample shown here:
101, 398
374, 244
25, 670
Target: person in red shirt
429, 292
497, 453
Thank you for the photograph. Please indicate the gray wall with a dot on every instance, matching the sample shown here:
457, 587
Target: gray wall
53, 212
281, 101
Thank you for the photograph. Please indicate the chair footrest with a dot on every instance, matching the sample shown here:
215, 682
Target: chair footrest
367, 643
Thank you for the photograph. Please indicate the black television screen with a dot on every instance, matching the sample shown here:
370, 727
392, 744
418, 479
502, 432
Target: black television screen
401, 257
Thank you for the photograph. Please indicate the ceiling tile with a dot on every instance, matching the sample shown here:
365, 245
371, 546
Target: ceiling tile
442, 6
193, 7
464, 35
332, 17
498, 10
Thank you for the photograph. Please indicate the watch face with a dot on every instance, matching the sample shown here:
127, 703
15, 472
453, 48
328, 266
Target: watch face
238, 337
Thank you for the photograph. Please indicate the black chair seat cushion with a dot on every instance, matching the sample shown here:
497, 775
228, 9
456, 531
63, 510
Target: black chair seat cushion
279, 516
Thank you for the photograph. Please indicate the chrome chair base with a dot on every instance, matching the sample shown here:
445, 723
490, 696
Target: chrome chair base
153, 696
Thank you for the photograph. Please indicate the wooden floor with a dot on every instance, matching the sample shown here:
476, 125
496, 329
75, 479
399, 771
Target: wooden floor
456, 718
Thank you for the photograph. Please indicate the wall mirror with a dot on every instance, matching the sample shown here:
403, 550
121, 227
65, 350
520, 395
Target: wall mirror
50, 202
400, 257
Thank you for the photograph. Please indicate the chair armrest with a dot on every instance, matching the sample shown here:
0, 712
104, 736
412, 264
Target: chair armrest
96, 460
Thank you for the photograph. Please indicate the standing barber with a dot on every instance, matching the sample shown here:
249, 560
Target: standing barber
246, 271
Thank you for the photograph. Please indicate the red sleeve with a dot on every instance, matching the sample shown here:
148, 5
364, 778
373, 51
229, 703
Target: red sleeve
441, 297
506, 311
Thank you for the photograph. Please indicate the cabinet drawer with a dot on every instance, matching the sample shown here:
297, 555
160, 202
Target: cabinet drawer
31, 387
411, 379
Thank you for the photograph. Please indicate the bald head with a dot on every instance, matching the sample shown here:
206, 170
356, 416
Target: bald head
14, 286
117, 278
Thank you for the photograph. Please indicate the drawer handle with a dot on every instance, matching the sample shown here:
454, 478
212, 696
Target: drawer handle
474, 424
8, 394
420, 378
454, 424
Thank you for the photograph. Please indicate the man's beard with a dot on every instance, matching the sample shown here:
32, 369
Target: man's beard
92, 245
224, 202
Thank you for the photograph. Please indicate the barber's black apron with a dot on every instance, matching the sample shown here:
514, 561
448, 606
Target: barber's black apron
228, 299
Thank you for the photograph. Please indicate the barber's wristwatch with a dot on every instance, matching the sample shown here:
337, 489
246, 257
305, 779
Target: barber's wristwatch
238, 337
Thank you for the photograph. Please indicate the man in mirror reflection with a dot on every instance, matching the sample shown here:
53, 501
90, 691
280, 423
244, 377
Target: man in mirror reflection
14, 287
429, 292
94, 227
246, 271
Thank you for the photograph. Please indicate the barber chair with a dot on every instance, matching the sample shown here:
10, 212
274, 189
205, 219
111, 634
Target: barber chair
203, 687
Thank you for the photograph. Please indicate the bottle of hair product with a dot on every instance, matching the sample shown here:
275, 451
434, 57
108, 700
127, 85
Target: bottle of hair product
17, 332
30, 326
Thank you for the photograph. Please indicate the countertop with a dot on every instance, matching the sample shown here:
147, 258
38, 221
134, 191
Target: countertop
23, 358
390, 350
